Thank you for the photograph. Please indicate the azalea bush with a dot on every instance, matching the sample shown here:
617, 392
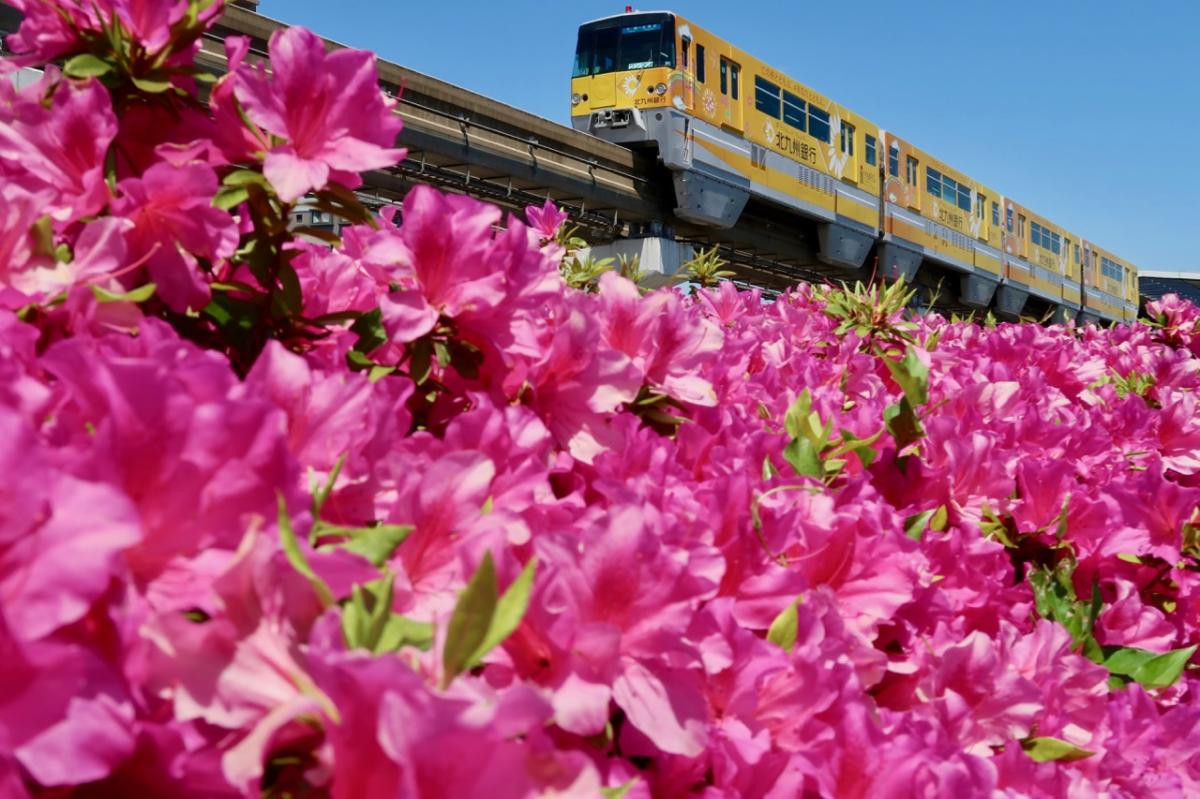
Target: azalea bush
400, 512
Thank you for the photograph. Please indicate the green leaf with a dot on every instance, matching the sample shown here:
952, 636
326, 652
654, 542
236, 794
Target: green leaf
465, 358
902, 422
347, 204
509, 612
785, 627
368, 621
1163, 670
619, 791
859, 446
912, 375
140, 294
230, 197
42, 234
442, 352
336, 318
245, 177
1126, 659
152, 85
794, 419
914, 526
356, 619
233, 285
292, 296
803, 457
376, 544
295, 555
1044, 750
86, 65
357, 361
402, 631
321, 495
378, 372
768, 469
370, 331
420, 360
1055, 599
470, 621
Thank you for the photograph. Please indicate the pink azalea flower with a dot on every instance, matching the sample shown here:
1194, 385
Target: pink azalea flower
326, 106
575, 386
51, 28
657, 335
545, 221
1128, 621
151, 403
174, 225
59, 147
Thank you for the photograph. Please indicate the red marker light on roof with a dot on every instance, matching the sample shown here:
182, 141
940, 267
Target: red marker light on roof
628, 9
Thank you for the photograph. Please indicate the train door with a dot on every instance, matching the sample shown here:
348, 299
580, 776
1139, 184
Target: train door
849, 151
731, 94
687, 70
912, 177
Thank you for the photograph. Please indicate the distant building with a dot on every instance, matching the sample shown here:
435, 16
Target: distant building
1152, 285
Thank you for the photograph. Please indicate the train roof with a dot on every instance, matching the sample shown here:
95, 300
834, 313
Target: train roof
627, 13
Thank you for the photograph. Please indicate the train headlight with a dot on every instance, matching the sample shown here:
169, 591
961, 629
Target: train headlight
661, 89
576, 99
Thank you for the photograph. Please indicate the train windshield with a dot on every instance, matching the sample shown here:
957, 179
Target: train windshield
632, 41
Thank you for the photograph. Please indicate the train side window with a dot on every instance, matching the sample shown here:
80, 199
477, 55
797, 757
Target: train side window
766, 96
724, 76
910, 165
735, 73
933, 182
980, 205
894, 160
847, 137
996, 213
1008, 218
869, 149
964, 197
949, 189
818, 123
1076, 253
684, 52
1021, 226
700, 62
795, 111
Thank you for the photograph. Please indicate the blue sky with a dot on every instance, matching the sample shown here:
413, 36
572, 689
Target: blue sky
1088, 112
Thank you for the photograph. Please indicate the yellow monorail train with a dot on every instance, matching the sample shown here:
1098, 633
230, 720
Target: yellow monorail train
729, 127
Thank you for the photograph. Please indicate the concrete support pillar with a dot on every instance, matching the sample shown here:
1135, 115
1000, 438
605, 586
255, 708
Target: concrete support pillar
659, 258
